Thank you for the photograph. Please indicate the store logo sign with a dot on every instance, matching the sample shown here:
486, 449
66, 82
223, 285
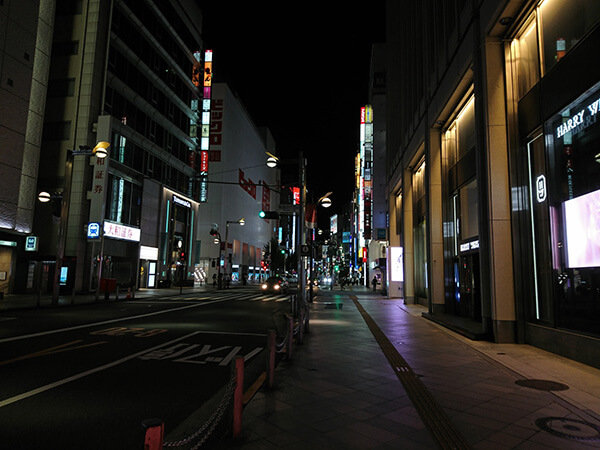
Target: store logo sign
579, 121
540, 183
182, 202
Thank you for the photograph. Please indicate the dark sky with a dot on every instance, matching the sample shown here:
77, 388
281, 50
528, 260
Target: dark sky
303, 73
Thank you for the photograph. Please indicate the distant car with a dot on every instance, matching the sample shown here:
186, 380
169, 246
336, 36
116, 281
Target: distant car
292, 278
326, 282
275, 284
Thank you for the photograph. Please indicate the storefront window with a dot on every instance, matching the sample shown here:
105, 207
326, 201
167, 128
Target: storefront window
123, 201
466, 128
525, 59
469, 221
563, 24
420, 232
573, 139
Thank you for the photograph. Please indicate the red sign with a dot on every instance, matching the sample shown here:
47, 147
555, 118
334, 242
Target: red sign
266, 198
247, 185
203, 161
296, 195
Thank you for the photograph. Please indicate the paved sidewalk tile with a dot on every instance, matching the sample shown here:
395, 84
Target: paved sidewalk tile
340, 392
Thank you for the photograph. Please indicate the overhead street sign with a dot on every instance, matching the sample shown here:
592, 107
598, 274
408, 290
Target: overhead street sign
288, 210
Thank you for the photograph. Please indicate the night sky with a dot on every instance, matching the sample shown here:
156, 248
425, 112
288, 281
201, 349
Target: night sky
303, 73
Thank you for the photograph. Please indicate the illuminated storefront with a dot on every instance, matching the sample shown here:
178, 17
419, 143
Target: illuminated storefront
556, 158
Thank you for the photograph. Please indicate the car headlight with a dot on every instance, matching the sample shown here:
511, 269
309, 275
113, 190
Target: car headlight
277, 286
264, 286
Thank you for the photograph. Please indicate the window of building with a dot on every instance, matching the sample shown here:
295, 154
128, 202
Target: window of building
525, 59
573, 138
420, 231
67, 48
57, 131
123, 201
69, 7
550, 33
563, 24
64, 87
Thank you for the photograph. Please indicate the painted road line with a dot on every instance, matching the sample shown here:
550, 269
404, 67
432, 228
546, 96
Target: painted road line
47, 387
431, 413
52, 350
122, 319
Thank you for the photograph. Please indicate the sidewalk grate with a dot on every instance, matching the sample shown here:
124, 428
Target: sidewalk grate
431, 413
578, 430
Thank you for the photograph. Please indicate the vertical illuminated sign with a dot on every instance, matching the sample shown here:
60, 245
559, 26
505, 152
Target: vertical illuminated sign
205, 126
366, 170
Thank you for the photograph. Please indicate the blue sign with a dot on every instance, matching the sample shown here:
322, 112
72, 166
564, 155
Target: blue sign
31, 244
93, 230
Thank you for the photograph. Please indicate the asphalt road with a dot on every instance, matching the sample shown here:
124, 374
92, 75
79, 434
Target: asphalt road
85, 377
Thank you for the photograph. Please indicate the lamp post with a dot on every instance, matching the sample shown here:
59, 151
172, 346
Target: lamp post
241, 222
274, 161
101, 151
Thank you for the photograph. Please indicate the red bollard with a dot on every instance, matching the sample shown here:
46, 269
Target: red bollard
270, 358
238, 396
155, 429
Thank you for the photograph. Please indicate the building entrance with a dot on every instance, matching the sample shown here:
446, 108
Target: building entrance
469, 299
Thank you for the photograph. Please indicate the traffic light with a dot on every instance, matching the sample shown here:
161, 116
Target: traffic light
268, 215
182, 256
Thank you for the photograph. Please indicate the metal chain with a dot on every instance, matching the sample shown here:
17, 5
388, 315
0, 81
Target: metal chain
213, 420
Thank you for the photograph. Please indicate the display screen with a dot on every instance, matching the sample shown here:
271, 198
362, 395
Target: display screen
396, 264
582, 219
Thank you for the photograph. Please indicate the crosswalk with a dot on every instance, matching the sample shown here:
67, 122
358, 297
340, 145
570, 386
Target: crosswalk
234, 295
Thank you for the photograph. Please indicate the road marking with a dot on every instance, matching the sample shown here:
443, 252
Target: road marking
138, 332
47, 387
49, 351
4, 319
122, 319
233, 333
207, 354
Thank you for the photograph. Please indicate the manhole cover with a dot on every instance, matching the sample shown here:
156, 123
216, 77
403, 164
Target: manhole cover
543, 385
569, 428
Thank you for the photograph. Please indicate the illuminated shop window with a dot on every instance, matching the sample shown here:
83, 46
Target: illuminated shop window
549, 34
563, 25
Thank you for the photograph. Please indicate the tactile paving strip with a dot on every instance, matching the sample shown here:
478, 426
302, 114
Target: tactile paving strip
431, 413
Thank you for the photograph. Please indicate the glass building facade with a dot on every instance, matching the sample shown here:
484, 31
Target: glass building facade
497, 104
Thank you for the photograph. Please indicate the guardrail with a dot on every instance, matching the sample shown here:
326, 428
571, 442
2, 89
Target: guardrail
232, 397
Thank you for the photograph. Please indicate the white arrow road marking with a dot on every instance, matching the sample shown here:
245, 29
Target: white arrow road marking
47, 387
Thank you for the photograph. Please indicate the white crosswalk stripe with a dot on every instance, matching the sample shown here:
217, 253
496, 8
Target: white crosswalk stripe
230, 295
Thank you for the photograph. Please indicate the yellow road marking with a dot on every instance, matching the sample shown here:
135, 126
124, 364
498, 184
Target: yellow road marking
52, 350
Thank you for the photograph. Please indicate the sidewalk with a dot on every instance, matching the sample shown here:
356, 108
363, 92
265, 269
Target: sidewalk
340, 390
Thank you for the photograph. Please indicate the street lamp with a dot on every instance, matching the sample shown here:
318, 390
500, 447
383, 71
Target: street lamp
325, 201
44, 197
101, 151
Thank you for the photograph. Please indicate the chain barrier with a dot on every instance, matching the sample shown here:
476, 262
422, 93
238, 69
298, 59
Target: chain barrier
211, 423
